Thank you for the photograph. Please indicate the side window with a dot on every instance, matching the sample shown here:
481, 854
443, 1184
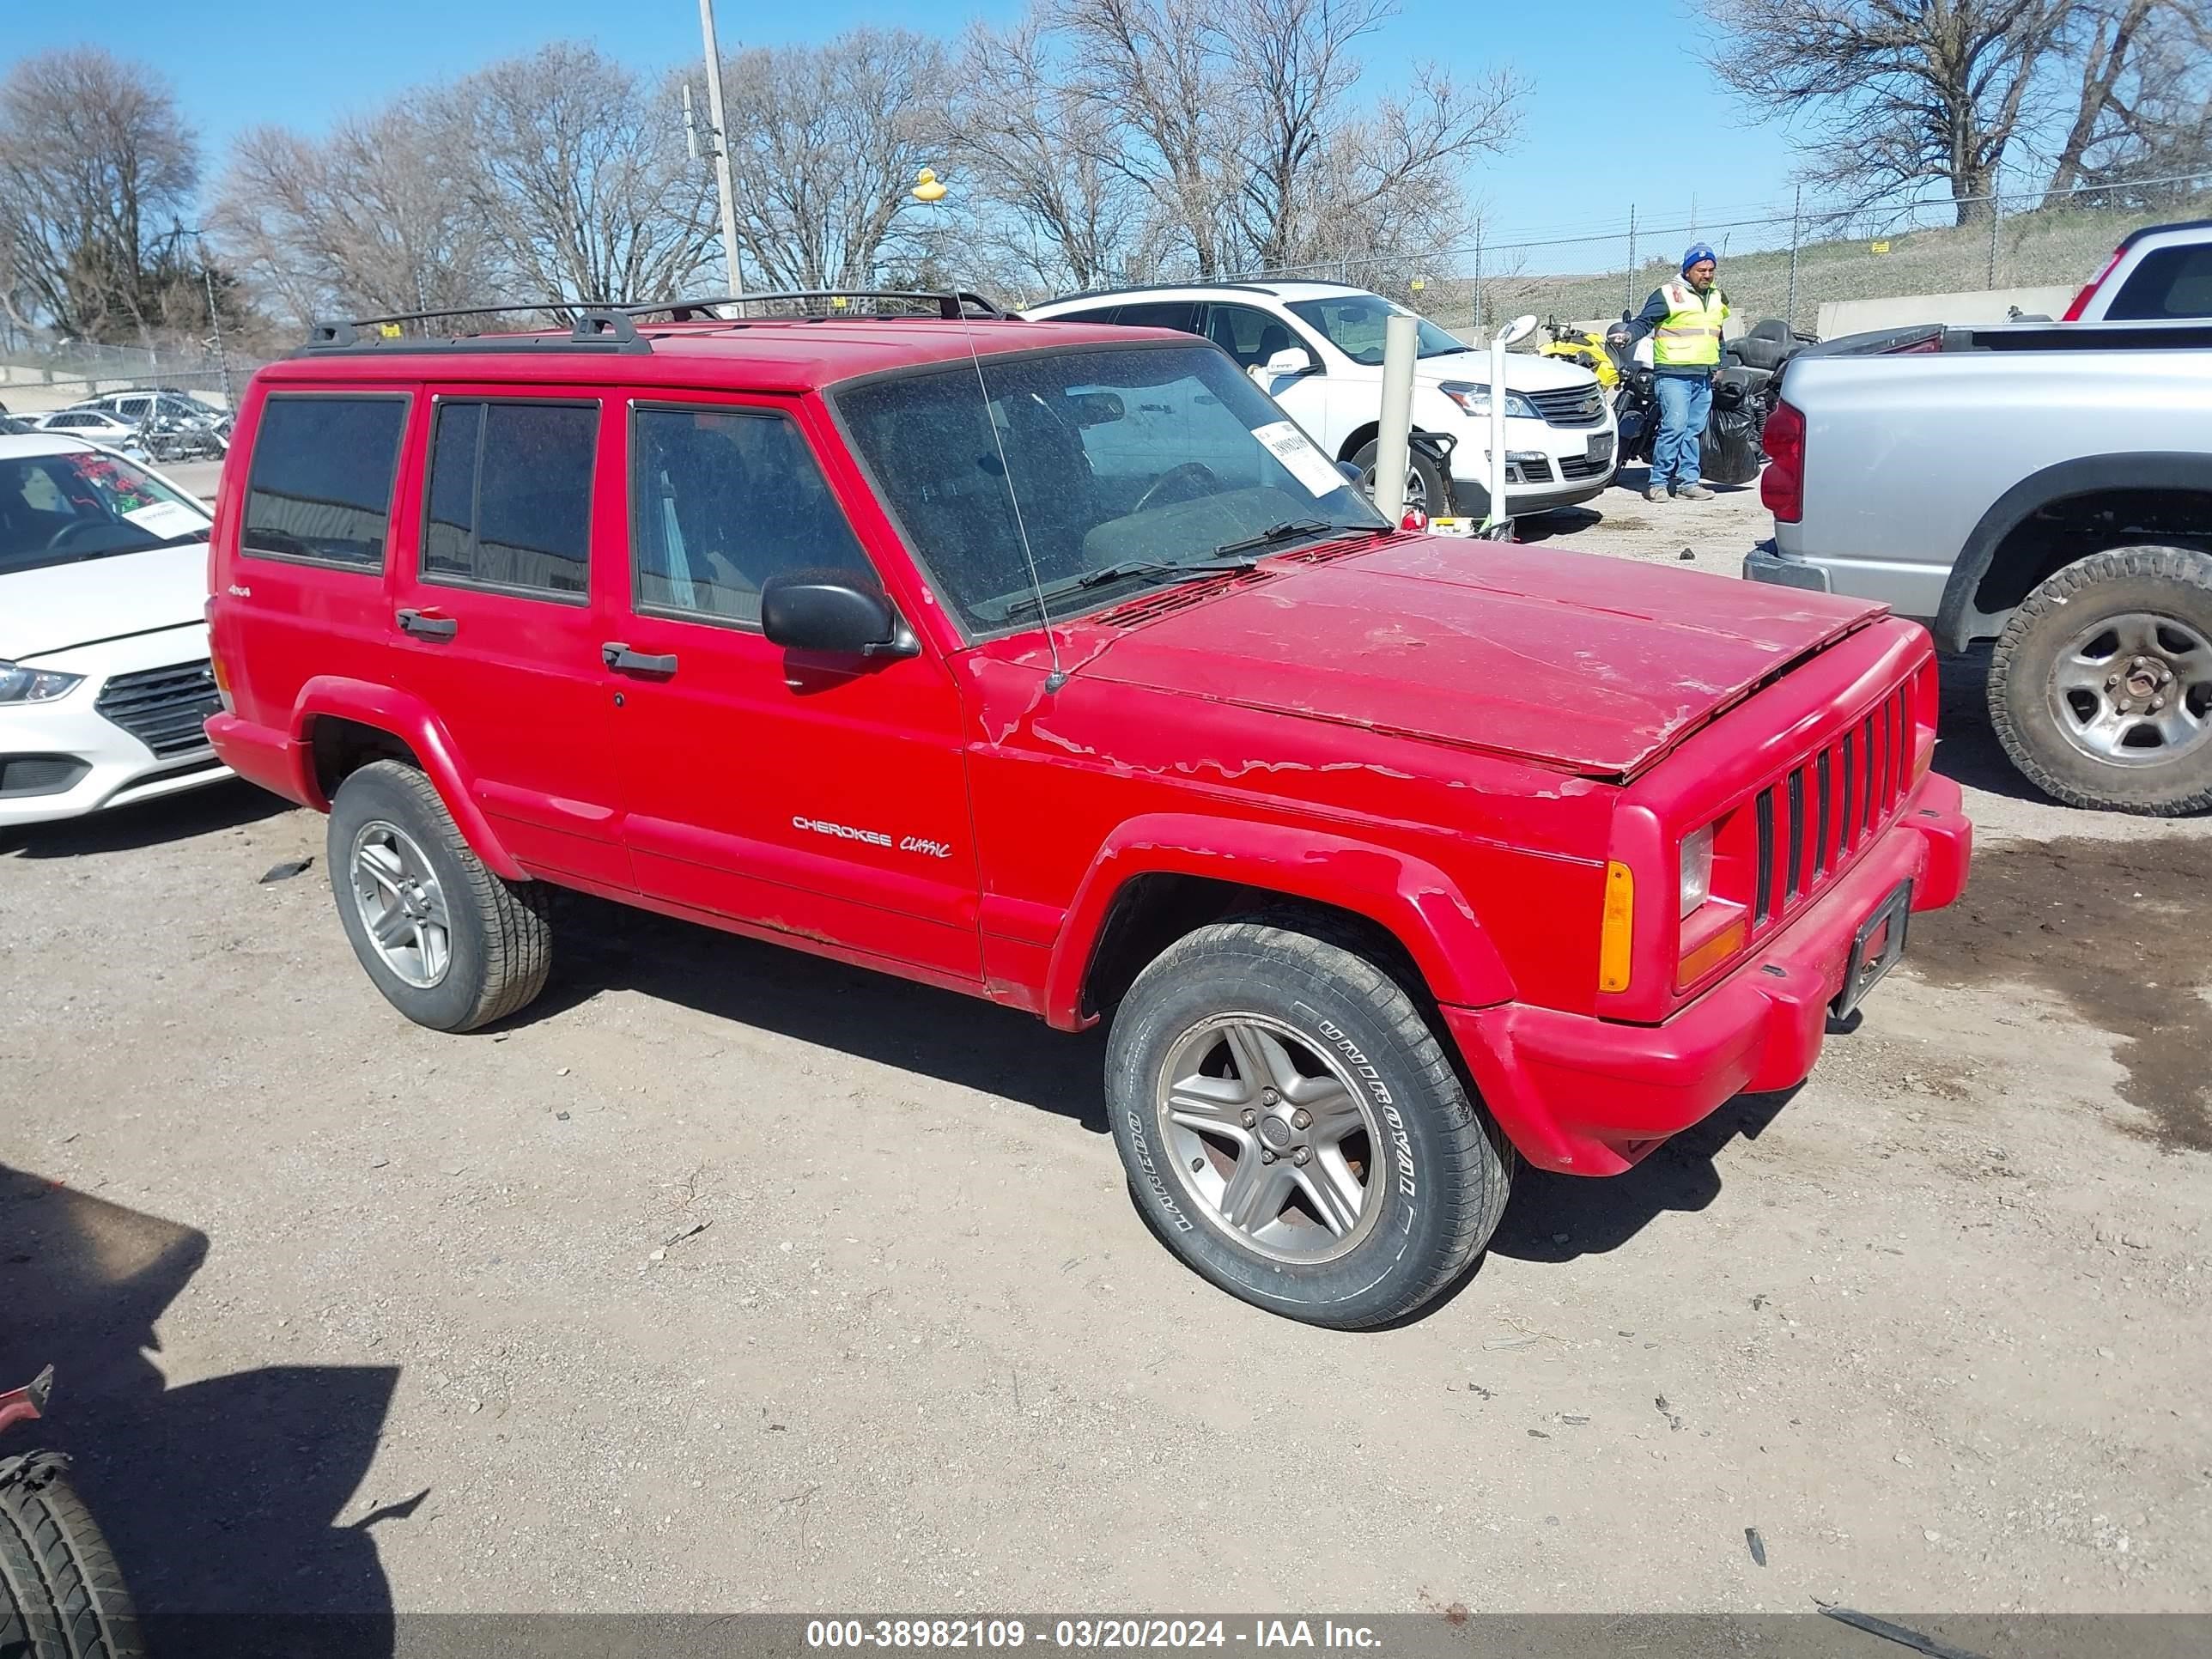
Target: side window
509, 501
1246, 334
320, 485
1182, 314
721, 500
2171, 283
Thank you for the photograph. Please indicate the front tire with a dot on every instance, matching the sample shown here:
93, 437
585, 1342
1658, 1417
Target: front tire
450, 945
61, 1594
1424, 485
2100, 686
1293, 1128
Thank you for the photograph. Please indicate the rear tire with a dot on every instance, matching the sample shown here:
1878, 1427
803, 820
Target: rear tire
450, 945
61, 1595
2139, 617
1332, 1221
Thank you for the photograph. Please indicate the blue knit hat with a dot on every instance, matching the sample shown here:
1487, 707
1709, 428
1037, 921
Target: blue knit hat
1698, 251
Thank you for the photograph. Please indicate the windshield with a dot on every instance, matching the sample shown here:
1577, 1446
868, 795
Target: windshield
1352, 323
1126, 466
58, 510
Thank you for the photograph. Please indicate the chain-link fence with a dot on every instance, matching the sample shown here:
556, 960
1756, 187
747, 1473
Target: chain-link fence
36, 377
1777, 263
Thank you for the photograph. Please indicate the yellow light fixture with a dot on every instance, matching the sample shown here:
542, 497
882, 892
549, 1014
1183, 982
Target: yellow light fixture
927, 188
1617, 934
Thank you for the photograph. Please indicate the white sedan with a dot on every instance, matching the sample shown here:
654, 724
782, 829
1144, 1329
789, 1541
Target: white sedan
98, 426
104, 673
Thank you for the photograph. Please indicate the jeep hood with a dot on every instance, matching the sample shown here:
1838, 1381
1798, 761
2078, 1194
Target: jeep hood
55, 606
1592, 665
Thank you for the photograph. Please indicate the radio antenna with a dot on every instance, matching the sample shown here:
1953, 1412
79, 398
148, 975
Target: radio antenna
1058, 678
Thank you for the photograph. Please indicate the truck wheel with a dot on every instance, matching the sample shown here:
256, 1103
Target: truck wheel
450, 945
61, 1595
2100, 687
1424, 485
1293, 1128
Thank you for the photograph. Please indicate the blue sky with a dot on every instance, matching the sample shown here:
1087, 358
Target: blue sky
1611, 88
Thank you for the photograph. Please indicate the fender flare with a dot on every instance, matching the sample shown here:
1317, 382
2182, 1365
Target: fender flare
1959, 621
407, 718
1409, 897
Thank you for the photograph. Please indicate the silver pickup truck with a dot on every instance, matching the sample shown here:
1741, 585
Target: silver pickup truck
2047, 487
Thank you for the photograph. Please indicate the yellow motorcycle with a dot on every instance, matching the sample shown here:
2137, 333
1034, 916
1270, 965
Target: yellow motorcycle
1575, 345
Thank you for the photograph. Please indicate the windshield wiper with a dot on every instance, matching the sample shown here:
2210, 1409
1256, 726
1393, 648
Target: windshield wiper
1122, 571
1289, 530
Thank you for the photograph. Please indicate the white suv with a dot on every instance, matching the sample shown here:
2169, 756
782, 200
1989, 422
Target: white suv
1317, 348
2161, 273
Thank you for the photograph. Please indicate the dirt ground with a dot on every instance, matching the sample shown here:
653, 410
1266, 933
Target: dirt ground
728, 1280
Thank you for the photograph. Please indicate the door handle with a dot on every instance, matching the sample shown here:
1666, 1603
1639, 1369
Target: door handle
622, 659
426, 627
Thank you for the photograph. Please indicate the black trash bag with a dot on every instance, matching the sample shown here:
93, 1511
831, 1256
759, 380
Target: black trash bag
1727, 452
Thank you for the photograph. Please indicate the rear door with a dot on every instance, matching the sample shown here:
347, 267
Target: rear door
822, 799
496, 624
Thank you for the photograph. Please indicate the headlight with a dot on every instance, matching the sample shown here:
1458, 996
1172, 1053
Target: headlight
1697, 870
1475, 400
34, 684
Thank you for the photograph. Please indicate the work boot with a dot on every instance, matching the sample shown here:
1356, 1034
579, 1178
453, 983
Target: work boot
1654, 494
1696, 492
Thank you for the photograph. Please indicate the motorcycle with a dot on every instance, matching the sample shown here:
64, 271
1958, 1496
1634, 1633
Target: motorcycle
168, 443
1570, 344
61, 1595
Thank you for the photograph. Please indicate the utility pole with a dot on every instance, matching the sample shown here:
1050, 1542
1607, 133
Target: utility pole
721, 146
1631, 255
1797, 219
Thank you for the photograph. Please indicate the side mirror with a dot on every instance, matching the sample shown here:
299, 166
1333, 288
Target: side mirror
1292, 360
839, 611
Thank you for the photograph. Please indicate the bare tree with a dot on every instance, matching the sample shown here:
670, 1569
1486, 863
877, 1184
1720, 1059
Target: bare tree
576, 169
94, 162
1901, 92
368, 220
1239, 120
2142, 106
825, 141
1037, 153
1316, 177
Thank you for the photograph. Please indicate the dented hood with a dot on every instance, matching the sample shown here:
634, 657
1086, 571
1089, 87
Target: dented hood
1593, 665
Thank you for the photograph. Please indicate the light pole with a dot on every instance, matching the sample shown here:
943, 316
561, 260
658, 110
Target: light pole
178, 232
722, 140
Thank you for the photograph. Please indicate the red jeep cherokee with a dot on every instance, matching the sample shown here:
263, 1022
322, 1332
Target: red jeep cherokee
1049, 663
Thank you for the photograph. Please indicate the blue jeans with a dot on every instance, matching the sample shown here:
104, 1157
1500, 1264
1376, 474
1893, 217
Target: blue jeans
1685, 401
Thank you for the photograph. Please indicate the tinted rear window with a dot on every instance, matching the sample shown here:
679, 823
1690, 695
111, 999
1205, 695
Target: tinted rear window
321, 485
2171, 283
511, 496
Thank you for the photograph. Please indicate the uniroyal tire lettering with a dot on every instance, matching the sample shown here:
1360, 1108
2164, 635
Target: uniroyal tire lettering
1153, 1175
1366, 1071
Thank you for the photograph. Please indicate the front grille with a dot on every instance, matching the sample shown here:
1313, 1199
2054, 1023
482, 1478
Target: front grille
1569, 405
1535, 470
1581, 466
1832, 804
163, 708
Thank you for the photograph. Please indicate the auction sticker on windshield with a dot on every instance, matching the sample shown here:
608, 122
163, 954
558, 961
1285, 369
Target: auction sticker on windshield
1297, 452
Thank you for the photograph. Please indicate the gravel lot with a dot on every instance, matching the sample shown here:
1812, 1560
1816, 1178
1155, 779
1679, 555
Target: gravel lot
729, 1280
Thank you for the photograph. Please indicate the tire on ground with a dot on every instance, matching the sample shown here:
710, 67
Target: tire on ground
2168, 581
61, 1595
1440, 1169
1432, 482
501, 942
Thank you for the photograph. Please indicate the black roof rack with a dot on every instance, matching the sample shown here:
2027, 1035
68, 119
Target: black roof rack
597, 328
952, 304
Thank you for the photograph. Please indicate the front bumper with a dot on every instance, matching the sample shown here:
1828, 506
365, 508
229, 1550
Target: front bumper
1547, 465
66, 759
1586, 1095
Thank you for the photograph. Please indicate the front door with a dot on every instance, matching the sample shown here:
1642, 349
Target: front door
823, 799
497, 627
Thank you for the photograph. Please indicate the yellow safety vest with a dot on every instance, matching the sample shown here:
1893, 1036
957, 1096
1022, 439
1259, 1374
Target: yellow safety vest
1690, 336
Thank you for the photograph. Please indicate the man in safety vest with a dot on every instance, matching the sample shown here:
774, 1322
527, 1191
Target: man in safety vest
1684, 319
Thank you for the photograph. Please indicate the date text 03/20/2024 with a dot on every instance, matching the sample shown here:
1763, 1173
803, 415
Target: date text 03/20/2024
1086, 1633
